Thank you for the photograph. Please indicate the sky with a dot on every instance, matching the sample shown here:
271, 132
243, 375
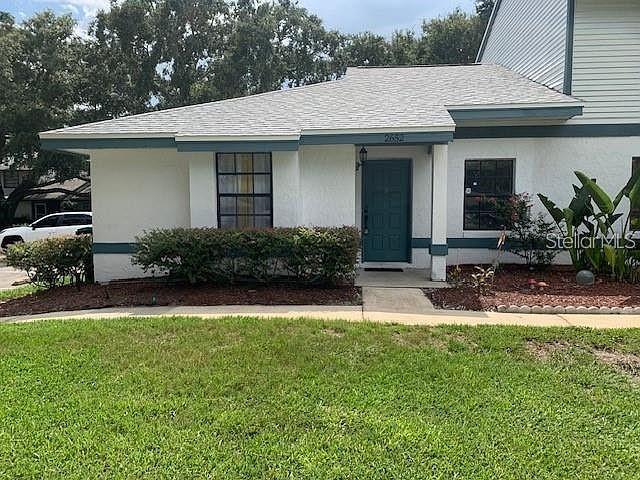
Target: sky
349, 16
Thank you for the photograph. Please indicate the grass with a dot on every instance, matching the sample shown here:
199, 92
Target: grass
244, 398
18, 292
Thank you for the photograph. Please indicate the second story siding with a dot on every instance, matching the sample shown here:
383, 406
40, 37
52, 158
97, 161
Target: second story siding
529, 37
606, 60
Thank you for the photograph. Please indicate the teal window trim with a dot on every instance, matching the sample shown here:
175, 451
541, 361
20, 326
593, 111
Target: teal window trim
515, 113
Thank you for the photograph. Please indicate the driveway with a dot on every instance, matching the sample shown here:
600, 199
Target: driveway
8, 276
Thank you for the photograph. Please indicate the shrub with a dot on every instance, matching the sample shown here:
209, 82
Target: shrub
528, 235
304, 255
54, 261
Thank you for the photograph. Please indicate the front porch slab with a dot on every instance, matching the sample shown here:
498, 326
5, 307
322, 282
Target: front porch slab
408, 278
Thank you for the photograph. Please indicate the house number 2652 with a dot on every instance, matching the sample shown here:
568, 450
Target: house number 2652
393, 138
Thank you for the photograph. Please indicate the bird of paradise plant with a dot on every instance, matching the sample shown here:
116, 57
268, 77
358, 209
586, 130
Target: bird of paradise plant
592, 220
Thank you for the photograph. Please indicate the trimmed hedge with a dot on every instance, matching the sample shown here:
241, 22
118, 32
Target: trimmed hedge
199, 255
52, 262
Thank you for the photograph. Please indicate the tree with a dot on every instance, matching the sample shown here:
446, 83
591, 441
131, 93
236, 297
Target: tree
37, 85
403, 48
118, 62
365, 49
484, 8
190, 38
274, 45
454, 39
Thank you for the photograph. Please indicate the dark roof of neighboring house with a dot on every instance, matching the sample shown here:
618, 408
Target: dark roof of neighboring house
80, 187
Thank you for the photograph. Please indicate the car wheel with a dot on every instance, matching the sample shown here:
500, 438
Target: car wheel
8, 241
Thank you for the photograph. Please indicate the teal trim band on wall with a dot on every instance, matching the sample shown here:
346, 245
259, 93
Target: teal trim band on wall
399, 138
461, 243
568, 53
103, 143
239, 147
439, 250
114, 248
515, 113
551, 131
464, 243
420, 242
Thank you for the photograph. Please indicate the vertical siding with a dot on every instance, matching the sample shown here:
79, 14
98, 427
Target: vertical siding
606, 60
529, 37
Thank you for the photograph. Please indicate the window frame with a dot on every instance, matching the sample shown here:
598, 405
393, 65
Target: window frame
13, 175
252, 195
480, 228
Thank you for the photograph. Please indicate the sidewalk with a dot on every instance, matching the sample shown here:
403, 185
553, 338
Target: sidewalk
353, 314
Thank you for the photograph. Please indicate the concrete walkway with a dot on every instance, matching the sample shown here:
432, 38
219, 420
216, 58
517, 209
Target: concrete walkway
395, 300
353, 314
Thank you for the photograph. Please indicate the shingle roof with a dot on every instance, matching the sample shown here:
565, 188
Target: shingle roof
366, 98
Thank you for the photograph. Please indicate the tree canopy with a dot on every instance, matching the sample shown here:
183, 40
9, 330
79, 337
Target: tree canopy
144, 55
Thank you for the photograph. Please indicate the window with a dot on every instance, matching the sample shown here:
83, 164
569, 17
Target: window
47, 222
75, 219
244, 190
487, 184
11, 179
634, 215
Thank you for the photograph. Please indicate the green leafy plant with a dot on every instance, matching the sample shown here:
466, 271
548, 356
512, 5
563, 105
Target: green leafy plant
198, 255
482, 280
596, 234
528, 233
54, 261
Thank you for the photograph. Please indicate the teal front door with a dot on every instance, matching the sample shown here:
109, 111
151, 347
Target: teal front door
386, 207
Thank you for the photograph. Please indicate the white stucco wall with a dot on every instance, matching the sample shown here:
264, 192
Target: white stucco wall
133, 191
287, 200
327, 185
202, 189
543, 165
137, 190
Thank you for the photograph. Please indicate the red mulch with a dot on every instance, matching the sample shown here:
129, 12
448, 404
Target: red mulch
511, 288
142, 293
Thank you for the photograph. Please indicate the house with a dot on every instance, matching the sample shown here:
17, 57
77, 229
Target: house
73, 194
68, 195
412, 156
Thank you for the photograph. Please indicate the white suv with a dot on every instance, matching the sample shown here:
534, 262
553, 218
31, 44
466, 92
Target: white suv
55, 225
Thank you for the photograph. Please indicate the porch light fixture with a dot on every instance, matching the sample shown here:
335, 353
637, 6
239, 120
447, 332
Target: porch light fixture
362, 157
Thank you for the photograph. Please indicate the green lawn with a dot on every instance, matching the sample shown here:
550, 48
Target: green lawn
17, 292
244, 398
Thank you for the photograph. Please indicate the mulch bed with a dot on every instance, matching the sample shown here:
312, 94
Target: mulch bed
147, 293
511, 287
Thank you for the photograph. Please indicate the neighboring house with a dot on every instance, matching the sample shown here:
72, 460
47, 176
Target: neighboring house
11, 177
74, 195
413, 156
